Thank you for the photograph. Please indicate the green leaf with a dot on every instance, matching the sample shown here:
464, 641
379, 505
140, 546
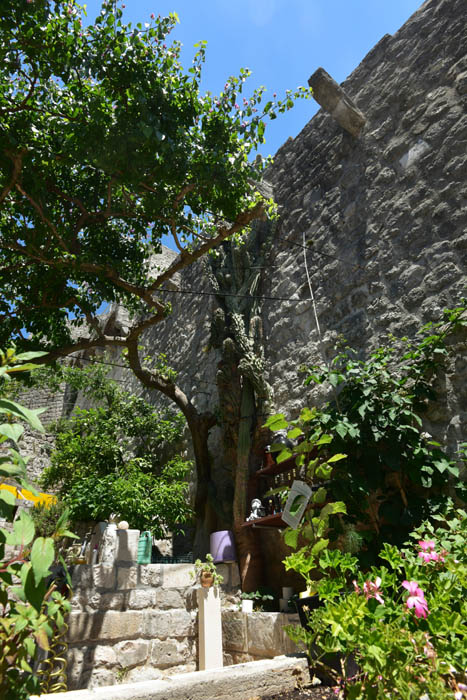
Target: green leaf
12, 431
276, 422
15, 409
33, 593
336, 458
332, 509
294, 433
319, 546
42, 638
23, 531
284, 455
307, 414
7, 502
291, 537
42, 556
320, 495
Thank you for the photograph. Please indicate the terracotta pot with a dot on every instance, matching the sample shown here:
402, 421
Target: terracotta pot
206, 579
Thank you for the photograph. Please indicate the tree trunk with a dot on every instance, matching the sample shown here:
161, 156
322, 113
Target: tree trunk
248, 547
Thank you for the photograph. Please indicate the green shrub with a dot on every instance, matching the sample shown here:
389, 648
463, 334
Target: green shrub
112, 458
402, 623
32, 609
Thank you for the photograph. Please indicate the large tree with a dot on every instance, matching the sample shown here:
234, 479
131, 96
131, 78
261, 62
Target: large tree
106, 145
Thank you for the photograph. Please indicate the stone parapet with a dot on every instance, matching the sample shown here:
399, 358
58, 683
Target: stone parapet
257, 635
134, 623
248, 680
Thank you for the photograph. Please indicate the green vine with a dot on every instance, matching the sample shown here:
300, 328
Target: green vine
395, 474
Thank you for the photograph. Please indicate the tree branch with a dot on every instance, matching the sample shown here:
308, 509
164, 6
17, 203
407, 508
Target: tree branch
186, 258
17, 160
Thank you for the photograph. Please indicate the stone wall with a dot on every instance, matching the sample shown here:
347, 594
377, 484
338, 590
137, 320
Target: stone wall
384, 221
254, 636
133, 623
384, 214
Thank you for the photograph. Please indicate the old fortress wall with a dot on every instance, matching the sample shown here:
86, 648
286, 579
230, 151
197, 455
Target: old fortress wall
384, 219
384, 215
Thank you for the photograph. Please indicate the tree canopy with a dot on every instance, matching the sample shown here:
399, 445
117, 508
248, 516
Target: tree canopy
107, 144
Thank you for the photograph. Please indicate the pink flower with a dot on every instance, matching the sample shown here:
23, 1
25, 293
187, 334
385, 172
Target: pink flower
416, 598
426, 556
372, 590
356, 587
153, 16
426, 545
428, 553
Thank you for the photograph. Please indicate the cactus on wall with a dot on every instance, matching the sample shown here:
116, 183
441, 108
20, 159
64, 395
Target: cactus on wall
244, 392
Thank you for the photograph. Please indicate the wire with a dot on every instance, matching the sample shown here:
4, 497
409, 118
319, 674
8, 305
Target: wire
312, 297
198, 292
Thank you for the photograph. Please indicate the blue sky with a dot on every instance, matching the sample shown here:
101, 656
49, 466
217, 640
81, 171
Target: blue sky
281, 41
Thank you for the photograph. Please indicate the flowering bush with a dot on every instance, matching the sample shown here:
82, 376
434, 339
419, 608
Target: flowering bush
397, 630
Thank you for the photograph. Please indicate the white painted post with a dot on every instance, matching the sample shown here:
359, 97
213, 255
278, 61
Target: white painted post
209, 628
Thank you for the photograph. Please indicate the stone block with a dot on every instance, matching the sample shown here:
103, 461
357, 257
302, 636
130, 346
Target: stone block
138, 599
103, 576
107, 601
169, 652
104, 655
234, 631
264, 633
230, 573
149, 574
104, 626
127, 546
127, 577
176, 575
168, 623
171, 598
101, 677
183, 668
81, 577
143, 673
131, 653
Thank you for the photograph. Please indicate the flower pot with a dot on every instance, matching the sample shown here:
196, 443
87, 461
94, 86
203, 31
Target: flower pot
304, 605
206, 579
247, 606
222, 547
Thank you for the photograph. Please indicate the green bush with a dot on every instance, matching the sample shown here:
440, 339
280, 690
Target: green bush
32, 609
402, 623
112, 458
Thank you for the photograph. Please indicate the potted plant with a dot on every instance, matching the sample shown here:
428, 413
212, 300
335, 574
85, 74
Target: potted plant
206, 572
256, 601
